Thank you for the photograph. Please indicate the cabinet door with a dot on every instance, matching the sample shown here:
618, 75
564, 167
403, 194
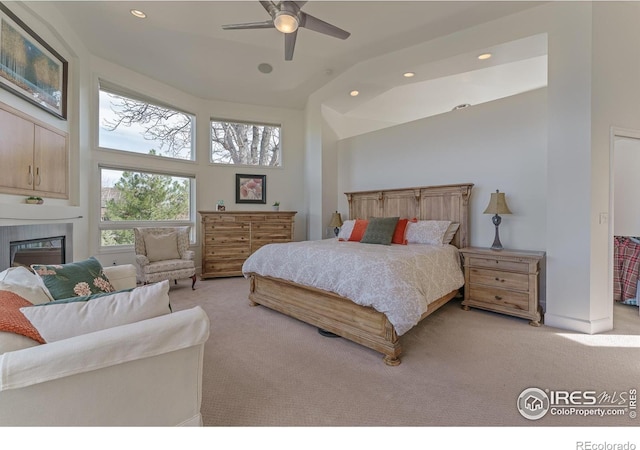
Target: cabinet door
16, 149
50, 161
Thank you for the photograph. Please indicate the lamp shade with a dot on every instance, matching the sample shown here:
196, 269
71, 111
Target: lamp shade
497, 204
336, 220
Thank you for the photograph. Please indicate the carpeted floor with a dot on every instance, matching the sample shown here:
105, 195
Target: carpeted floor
459, 368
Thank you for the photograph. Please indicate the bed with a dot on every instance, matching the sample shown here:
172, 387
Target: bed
338, 314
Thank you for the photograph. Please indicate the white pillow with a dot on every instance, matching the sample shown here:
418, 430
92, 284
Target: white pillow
26, 284
58, 321
450, 233
161, 247
346, 229
427, 231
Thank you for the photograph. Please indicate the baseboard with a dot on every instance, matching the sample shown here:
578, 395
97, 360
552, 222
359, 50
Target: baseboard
580, 325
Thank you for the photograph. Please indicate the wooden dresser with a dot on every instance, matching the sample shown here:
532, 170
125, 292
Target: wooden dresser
229, 237
504, 281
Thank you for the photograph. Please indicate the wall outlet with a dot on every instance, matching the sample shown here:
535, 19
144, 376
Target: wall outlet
604, 218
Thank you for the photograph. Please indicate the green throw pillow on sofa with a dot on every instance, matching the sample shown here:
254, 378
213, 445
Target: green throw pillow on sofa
74, 279
380, 230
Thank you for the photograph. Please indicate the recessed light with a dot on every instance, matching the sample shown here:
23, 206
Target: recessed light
409, 74
265, 68
139, 14
354, 93
485, 56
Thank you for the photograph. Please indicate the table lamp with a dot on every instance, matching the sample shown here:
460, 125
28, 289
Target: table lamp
497, 205
336, 222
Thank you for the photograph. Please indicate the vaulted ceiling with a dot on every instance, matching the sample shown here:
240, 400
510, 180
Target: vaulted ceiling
182, 43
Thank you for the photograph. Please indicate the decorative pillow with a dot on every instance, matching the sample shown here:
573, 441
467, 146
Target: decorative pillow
56, 321
12, 320
450, 233
74, 279
427, 231
380, 230
399, 234
25, 283
346, 229
358, 230
161, 247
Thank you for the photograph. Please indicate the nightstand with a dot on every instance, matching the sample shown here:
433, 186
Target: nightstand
503, 281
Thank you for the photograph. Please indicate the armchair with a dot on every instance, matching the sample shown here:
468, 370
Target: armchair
162, 253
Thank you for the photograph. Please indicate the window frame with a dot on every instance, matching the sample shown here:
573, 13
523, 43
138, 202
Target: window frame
131, 224
112, 88
246, 122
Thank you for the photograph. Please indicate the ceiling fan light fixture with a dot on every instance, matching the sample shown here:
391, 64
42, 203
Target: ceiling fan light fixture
285, 22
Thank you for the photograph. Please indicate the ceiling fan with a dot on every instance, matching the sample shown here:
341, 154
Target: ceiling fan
287, 17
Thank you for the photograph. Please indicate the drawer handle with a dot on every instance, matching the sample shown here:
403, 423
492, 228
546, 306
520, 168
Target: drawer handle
498, 297
498, 279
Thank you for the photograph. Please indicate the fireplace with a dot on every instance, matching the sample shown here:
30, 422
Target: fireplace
23, 245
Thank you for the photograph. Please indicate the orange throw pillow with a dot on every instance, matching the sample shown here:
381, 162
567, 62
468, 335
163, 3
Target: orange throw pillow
358, 230
400, 232
11, 318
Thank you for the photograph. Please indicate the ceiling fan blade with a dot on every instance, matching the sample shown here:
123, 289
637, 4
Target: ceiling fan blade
289, 45
313, 23
249, 25
270, 7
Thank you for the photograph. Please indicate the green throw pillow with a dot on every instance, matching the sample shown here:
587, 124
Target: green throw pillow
76, 279
380, 230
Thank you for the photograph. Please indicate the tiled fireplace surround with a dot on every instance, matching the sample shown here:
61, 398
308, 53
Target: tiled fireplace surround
59, 232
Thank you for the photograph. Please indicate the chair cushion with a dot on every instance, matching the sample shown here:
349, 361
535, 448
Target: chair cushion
171, 265
161, 247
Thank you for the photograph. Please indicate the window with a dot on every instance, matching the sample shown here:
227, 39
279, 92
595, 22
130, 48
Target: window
134, 124
250, 144
131, 198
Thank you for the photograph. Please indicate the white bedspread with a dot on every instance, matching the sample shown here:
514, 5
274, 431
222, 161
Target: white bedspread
397, 280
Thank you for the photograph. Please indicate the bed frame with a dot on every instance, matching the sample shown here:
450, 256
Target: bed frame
341, 316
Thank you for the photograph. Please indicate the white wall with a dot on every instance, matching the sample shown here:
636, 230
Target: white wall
496, 145
626, 187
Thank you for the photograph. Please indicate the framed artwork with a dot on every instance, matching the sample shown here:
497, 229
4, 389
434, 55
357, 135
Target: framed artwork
30, 68
251, 188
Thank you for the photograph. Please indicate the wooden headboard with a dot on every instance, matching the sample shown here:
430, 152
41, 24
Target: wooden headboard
446, 202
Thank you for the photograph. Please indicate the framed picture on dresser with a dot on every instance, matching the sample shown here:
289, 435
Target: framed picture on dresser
251, 188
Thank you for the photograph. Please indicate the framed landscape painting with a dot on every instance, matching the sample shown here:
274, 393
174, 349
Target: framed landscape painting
251, 188
29, 67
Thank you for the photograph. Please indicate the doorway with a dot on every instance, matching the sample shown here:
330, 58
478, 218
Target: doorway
624, 220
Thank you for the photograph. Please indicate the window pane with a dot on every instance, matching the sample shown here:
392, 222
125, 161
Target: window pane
141, 127
136, 196
245, 144
116, 237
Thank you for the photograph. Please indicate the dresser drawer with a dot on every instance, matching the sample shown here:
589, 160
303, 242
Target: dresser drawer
215, 252
492, 263
226, 238
226, 227
500, 297
499, 279
224, 266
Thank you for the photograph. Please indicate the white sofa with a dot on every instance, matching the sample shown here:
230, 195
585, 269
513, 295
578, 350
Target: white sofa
147, 373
